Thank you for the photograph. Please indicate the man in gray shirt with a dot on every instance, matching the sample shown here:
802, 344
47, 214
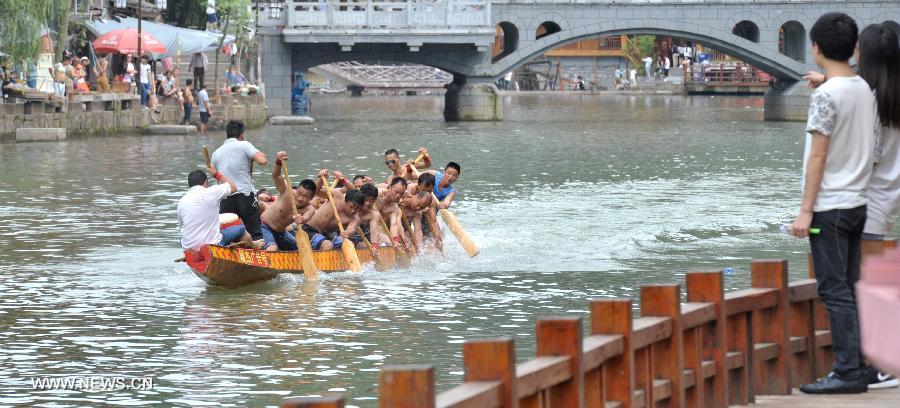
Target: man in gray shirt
234, 160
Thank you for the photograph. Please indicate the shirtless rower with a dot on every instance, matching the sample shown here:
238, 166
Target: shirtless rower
389, 196
322, 227
369, 217
398, 169
417, 201
279, 215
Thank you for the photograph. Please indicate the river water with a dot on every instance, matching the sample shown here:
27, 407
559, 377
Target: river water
570, 198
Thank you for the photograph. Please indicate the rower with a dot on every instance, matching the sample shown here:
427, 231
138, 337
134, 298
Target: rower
235, 158
322, 228
198, 212
279, 215
415, 204
360, 179
388, 202
392, 161
369, 217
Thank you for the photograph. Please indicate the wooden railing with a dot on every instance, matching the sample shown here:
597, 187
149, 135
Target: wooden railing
738, 74
715, 350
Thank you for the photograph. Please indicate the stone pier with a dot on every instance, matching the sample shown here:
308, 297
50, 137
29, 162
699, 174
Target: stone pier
472, 100
787, 101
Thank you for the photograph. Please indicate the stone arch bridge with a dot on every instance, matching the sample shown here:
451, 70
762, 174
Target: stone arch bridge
457, 36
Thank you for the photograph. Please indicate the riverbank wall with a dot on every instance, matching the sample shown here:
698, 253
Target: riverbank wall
112, 114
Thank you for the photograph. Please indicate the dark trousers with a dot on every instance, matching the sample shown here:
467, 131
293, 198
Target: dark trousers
836, 255
187, 113
247, 210
198, 78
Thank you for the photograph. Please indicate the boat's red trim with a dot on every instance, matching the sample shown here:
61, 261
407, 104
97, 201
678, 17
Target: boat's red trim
198, 260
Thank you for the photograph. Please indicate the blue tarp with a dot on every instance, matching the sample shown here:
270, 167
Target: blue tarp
174, 38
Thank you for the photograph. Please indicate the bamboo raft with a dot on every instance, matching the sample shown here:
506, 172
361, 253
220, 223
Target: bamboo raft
236, 267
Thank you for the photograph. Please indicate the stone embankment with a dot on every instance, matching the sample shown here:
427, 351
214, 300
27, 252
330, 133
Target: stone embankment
113, 114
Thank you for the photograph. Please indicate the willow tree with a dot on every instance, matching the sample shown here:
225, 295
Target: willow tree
639, 47
21, 23
233, 13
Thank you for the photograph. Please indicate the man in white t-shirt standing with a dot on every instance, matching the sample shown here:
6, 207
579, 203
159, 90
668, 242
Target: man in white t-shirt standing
198, 212
203, 101
838, 158
234, 159
211, 18
648, 63
146, 79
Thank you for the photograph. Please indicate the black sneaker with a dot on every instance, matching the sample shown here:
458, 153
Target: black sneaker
833, 384
878, 380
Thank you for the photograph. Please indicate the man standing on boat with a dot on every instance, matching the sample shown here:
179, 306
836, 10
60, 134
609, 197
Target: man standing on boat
234, 159
279, 215
322, 228
198, 212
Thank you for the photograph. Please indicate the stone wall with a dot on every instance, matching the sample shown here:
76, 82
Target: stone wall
250, 109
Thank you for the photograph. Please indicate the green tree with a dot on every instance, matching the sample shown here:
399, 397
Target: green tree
233, 13
20, 26
638, 48
187, 13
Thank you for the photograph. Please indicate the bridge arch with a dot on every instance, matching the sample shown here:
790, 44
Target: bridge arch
547, 28
769, 60
792, 40
510, 39
746, 29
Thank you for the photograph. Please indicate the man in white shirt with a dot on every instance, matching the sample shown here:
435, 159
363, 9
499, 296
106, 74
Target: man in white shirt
837, 165
211, 18
648, 62
146, 79
234, 160
198, 212
203, 101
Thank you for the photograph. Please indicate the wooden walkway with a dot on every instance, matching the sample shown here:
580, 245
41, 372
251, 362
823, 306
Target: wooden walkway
877, 398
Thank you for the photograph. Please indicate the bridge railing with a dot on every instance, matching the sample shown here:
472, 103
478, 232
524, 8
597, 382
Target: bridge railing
716, 349
372, 14
735, 74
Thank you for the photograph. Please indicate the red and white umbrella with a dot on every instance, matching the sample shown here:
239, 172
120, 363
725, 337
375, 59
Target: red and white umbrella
125, 42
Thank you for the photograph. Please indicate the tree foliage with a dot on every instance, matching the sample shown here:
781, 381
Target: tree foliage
638, 48
21, 23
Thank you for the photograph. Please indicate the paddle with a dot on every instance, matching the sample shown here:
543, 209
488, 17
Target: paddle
408, 228
347, 247
206, 155
452, 222
380, 266
404, 260
304, 249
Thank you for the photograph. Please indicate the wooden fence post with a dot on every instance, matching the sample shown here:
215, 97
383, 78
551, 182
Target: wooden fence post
406, 386
614, 316
771, 326
493, 360
800, 324
667, 355
334, 401
561, 336
710, 287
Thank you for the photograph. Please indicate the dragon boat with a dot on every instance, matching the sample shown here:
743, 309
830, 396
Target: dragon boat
236, 267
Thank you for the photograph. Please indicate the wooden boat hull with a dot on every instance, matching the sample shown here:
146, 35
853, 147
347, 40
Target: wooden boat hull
236, 267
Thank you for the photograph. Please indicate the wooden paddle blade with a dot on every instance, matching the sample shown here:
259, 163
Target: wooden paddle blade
460, 234
206, 155
351, 256
431, 219
304, 249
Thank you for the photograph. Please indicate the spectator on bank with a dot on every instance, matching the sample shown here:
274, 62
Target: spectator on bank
667, 65
838, 158
579, 84
102, 79
90, 73
198, 65
167, 85
130, 72
203, 102
146, 80
648, 63
619, 75
31, 73
187, 103
78, 77
234, 77
633, 77
59, 78
212, 19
